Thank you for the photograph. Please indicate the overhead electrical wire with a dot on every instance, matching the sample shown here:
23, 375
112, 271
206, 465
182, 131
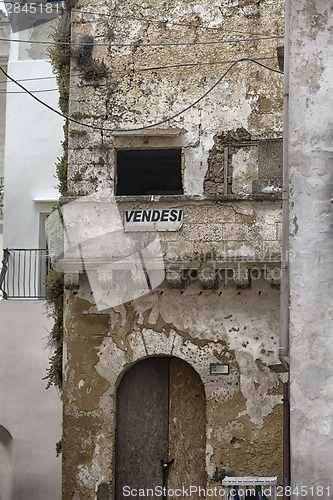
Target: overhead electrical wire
32, 91
124, 73
161, 122
139, 70
152, 44
33, 79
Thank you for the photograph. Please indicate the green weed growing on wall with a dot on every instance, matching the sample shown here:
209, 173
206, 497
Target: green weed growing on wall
60, 56
59, 447
54, 285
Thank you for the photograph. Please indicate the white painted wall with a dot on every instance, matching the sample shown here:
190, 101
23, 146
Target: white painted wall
30, 416
4, 53
33, 143
311, 244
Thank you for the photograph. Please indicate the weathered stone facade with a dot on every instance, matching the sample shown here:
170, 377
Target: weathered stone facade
219, 301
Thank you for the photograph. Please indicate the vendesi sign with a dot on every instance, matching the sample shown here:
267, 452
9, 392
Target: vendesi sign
153, 220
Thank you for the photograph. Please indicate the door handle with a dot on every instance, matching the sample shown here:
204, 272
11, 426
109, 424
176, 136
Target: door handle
165, 471
166, 465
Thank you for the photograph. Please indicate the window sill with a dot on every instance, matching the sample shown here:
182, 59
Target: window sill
186, 198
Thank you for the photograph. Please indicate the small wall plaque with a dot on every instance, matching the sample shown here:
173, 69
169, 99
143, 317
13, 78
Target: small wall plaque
219, 369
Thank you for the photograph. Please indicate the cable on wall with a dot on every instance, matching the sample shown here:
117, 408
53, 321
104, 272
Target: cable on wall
123, 73
138, 45
103, 129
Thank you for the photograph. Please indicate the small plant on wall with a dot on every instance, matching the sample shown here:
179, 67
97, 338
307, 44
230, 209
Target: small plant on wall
54, 285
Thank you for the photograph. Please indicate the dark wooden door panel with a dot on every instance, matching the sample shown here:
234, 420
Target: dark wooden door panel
187, 426
160, 416
142, 425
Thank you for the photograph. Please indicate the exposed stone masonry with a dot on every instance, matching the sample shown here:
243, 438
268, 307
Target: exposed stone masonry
219, 301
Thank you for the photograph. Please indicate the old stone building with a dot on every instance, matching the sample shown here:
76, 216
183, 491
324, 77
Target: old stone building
172, 245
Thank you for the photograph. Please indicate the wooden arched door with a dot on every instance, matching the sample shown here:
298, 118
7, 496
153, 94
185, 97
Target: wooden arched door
161, 418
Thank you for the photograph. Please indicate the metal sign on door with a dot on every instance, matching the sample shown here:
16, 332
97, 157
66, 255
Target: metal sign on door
160, 433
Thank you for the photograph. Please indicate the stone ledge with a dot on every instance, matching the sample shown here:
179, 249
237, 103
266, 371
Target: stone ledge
275, 196
178, 274
97, 264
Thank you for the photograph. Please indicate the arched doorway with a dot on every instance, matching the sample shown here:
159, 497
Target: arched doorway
161, 418
6, 463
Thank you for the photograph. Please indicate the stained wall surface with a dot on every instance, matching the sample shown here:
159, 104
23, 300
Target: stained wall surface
311, 266
142, 85
218, 301
228, 325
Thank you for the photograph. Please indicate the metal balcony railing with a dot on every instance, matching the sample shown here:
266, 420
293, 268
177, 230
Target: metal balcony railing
24, 272
1, 195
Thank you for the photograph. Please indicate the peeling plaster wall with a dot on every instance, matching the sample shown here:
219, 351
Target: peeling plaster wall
238, 229
199, 326
236, 323
249, 98
311, 226
203, 320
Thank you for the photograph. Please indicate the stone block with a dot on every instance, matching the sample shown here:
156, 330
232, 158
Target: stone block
270, 155
271, 250
71, 281
266, 232
208, 278
219, 212
241, 277
273, 276
271, 186
236, 232
174, 278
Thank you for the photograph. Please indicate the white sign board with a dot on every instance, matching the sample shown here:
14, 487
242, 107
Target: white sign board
219, 369
166, 219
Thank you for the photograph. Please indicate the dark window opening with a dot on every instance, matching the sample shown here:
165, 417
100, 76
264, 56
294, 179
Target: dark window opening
149, 171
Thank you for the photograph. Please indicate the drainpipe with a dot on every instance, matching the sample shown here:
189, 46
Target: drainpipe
285, 291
